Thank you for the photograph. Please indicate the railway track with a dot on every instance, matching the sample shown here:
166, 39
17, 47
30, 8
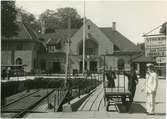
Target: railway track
94, 101
21, 106
95, 106
89, 103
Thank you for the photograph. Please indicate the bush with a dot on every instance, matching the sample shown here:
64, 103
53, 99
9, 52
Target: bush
9, 88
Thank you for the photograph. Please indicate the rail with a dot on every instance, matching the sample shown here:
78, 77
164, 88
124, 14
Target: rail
16, 100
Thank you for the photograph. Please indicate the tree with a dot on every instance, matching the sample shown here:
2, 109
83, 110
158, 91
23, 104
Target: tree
58, 19
8, 19
163, 28
29, 19
49, 20
65, 13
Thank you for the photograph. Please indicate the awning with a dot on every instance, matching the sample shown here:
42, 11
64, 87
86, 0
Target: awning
144, 59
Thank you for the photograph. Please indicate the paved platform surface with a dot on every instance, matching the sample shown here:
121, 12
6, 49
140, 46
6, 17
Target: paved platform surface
95, 106
95, 114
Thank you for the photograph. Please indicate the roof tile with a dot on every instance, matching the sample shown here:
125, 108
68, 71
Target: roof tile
119, 40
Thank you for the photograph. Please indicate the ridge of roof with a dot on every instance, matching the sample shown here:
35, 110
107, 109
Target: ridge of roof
24, 26
31, 31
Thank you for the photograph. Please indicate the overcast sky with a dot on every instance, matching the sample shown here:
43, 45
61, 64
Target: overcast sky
133, 18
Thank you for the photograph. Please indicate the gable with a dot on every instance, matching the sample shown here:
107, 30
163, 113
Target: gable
104, 43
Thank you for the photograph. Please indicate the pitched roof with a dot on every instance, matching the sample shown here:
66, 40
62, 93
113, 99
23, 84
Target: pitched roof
59, 34
119, 40
25, 32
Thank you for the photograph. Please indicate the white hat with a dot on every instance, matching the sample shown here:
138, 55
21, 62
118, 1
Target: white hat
149, 64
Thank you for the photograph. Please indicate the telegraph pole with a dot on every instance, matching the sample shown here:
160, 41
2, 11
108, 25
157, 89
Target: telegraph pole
83, 62
68, 51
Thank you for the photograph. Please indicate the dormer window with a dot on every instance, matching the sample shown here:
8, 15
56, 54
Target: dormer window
58, 45
116, 48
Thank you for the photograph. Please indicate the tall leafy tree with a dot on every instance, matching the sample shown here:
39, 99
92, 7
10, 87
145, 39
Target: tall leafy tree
50, 20
59, 19
29, 19
65, 13
8, 19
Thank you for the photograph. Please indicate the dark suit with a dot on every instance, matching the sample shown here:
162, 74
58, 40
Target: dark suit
110, 77
132, 82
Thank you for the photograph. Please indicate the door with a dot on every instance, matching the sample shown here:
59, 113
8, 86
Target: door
80, 66
93, 66
143, 70
56, 67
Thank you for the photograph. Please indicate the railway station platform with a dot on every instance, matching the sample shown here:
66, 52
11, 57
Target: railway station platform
93, 107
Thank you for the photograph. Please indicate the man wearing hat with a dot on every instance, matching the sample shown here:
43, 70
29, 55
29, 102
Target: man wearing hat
151, 84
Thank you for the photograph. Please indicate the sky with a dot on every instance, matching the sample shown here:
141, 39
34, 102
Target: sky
133, 18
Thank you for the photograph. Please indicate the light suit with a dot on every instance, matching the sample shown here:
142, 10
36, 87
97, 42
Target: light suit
151, 84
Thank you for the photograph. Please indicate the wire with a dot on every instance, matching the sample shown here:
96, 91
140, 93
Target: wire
153, 30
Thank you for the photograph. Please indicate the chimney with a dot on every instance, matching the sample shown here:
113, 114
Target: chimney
114, 26
43, 28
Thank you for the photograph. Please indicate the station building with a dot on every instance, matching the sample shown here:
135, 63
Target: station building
99, 41
46, 52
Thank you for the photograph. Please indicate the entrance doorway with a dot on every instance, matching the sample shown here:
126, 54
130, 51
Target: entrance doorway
93, 66
143, 69
56, 67
80, 66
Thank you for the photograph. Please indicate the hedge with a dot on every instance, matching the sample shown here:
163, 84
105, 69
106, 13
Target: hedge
13, 87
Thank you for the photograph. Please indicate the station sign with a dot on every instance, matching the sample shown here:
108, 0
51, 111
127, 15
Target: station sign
161, 59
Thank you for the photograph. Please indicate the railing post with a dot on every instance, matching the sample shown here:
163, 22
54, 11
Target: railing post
55, 103
124, 81
69, 96
58, 97
79, 92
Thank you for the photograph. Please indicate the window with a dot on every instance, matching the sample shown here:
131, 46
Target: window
116, 48
91, 47
80, 51
58, 45
121, 64
19, 61
90, 51
89, 36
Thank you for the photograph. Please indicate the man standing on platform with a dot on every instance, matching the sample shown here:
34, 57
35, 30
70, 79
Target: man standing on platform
132, 82
151, 84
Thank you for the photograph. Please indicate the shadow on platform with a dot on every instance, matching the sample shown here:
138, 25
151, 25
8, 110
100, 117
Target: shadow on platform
145, 102
160, 114
131, 108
